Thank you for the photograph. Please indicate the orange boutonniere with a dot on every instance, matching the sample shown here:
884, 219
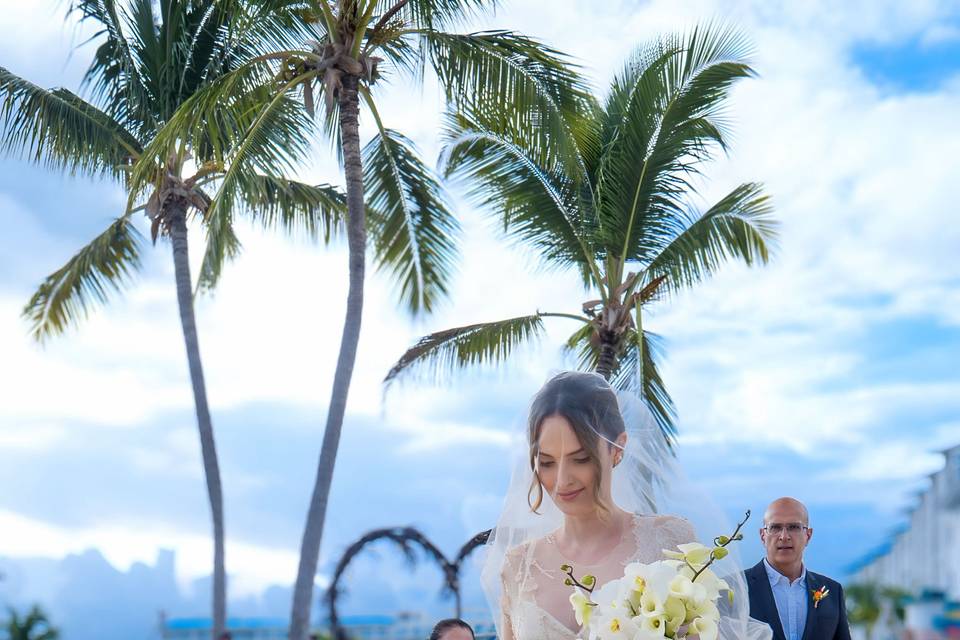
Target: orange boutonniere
819, 595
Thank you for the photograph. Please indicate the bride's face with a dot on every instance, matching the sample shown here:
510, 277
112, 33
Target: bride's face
567, 471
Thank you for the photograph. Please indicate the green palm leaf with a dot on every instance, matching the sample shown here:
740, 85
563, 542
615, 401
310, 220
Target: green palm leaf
115, 73
66, 296
318, 211
217, 120
441, 353
33, 626
436, 14
270, 145
540, 206
630, 376
505, 76
739, 226
413, 229
671, 118
222, 246
654, 390
59, 129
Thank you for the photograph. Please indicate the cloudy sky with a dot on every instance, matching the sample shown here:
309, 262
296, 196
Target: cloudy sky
827, 375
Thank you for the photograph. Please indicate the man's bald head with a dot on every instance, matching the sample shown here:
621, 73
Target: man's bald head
785, 534
787, 505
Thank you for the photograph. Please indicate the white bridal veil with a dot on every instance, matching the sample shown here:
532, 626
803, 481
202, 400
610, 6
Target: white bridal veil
648, 480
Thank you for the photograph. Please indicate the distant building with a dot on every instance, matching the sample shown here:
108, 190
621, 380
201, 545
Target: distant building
923, 557
925, 554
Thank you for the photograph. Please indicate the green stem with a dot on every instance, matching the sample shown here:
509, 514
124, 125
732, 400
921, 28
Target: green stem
328, 19
563, 315
713, 558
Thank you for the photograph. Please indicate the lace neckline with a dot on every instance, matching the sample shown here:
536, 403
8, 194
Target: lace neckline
631, 525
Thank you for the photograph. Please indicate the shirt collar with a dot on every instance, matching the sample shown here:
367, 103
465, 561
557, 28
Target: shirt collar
775, 576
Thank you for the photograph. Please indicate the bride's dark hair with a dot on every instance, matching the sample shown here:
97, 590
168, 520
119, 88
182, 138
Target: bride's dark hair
589, 404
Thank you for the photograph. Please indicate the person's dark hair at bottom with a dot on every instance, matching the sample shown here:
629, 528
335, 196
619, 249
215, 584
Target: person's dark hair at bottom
442, 629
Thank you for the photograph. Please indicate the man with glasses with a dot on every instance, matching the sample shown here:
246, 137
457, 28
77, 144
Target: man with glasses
797, 604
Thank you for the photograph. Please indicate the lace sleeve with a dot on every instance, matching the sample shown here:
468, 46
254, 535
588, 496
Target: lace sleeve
510, 577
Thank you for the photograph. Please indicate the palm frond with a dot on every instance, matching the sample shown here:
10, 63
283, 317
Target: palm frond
414, 231
665, 118
217, 121
739, 226
654, 392
439, 14
393, 40
273, 135
629, 375
318, 211
504, 75
538, 205
222, 245
66, 296
61, 130
115, 74
265, 26
439, 354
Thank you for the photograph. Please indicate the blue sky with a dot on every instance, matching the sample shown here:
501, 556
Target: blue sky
828, 375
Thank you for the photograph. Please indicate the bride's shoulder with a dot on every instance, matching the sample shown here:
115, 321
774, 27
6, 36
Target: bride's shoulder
517, 558
524, 549
670, 526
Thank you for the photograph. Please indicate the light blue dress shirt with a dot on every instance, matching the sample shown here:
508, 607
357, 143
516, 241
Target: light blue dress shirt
791, 599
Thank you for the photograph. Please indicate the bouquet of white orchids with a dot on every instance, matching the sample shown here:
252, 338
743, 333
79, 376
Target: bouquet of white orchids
672, 598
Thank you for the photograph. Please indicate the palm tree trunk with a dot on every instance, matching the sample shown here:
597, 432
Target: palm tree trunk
607, 361
357, 242
208, 449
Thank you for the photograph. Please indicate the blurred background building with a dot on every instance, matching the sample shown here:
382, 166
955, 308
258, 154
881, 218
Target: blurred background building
923, 559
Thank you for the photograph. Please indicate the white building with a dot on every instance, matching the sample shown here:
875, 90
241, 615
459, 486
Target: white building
925, 554
923, 557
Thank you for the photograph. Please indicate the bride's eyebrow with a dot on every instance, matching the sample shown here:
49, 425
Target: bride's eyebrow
572, 453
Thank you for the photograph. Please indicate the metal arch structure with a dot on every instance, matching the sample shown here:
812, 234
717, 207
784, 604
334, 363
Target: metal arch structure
407, 539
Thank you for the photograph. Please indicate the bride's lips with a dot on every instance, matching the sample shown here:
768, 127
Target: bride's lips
570, 495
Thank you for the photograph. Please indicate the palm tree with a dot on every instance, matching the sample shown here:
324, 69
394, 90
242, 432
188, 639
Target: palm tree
33, 626
153, 57
864, 606
610, 198
896, 599
355, 44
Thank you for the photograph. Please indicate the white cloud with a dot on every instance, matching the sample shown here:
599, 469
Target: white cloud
429, 437
38, 437
939, 34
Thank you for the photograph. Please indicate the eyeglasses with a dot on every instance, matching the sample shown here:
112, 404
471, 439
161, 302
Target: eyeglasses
792, 529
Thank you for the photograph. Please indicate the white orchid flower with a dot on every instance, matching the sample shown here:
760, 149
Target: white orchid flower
615, 626
705, 628
655, 576
651, 605
694, 553
675, 612
653, 626
582, 606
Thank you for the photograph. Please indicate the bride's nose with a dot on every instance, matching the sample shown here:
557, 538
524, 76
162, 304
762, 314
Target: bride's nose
564, 475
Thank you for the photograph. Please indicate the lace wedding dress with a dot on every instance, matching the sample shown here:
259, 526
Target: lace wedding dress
535, 603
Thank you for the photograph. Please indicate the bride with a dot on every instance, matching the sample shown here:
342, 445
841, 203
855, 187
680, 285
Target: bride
597, 471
